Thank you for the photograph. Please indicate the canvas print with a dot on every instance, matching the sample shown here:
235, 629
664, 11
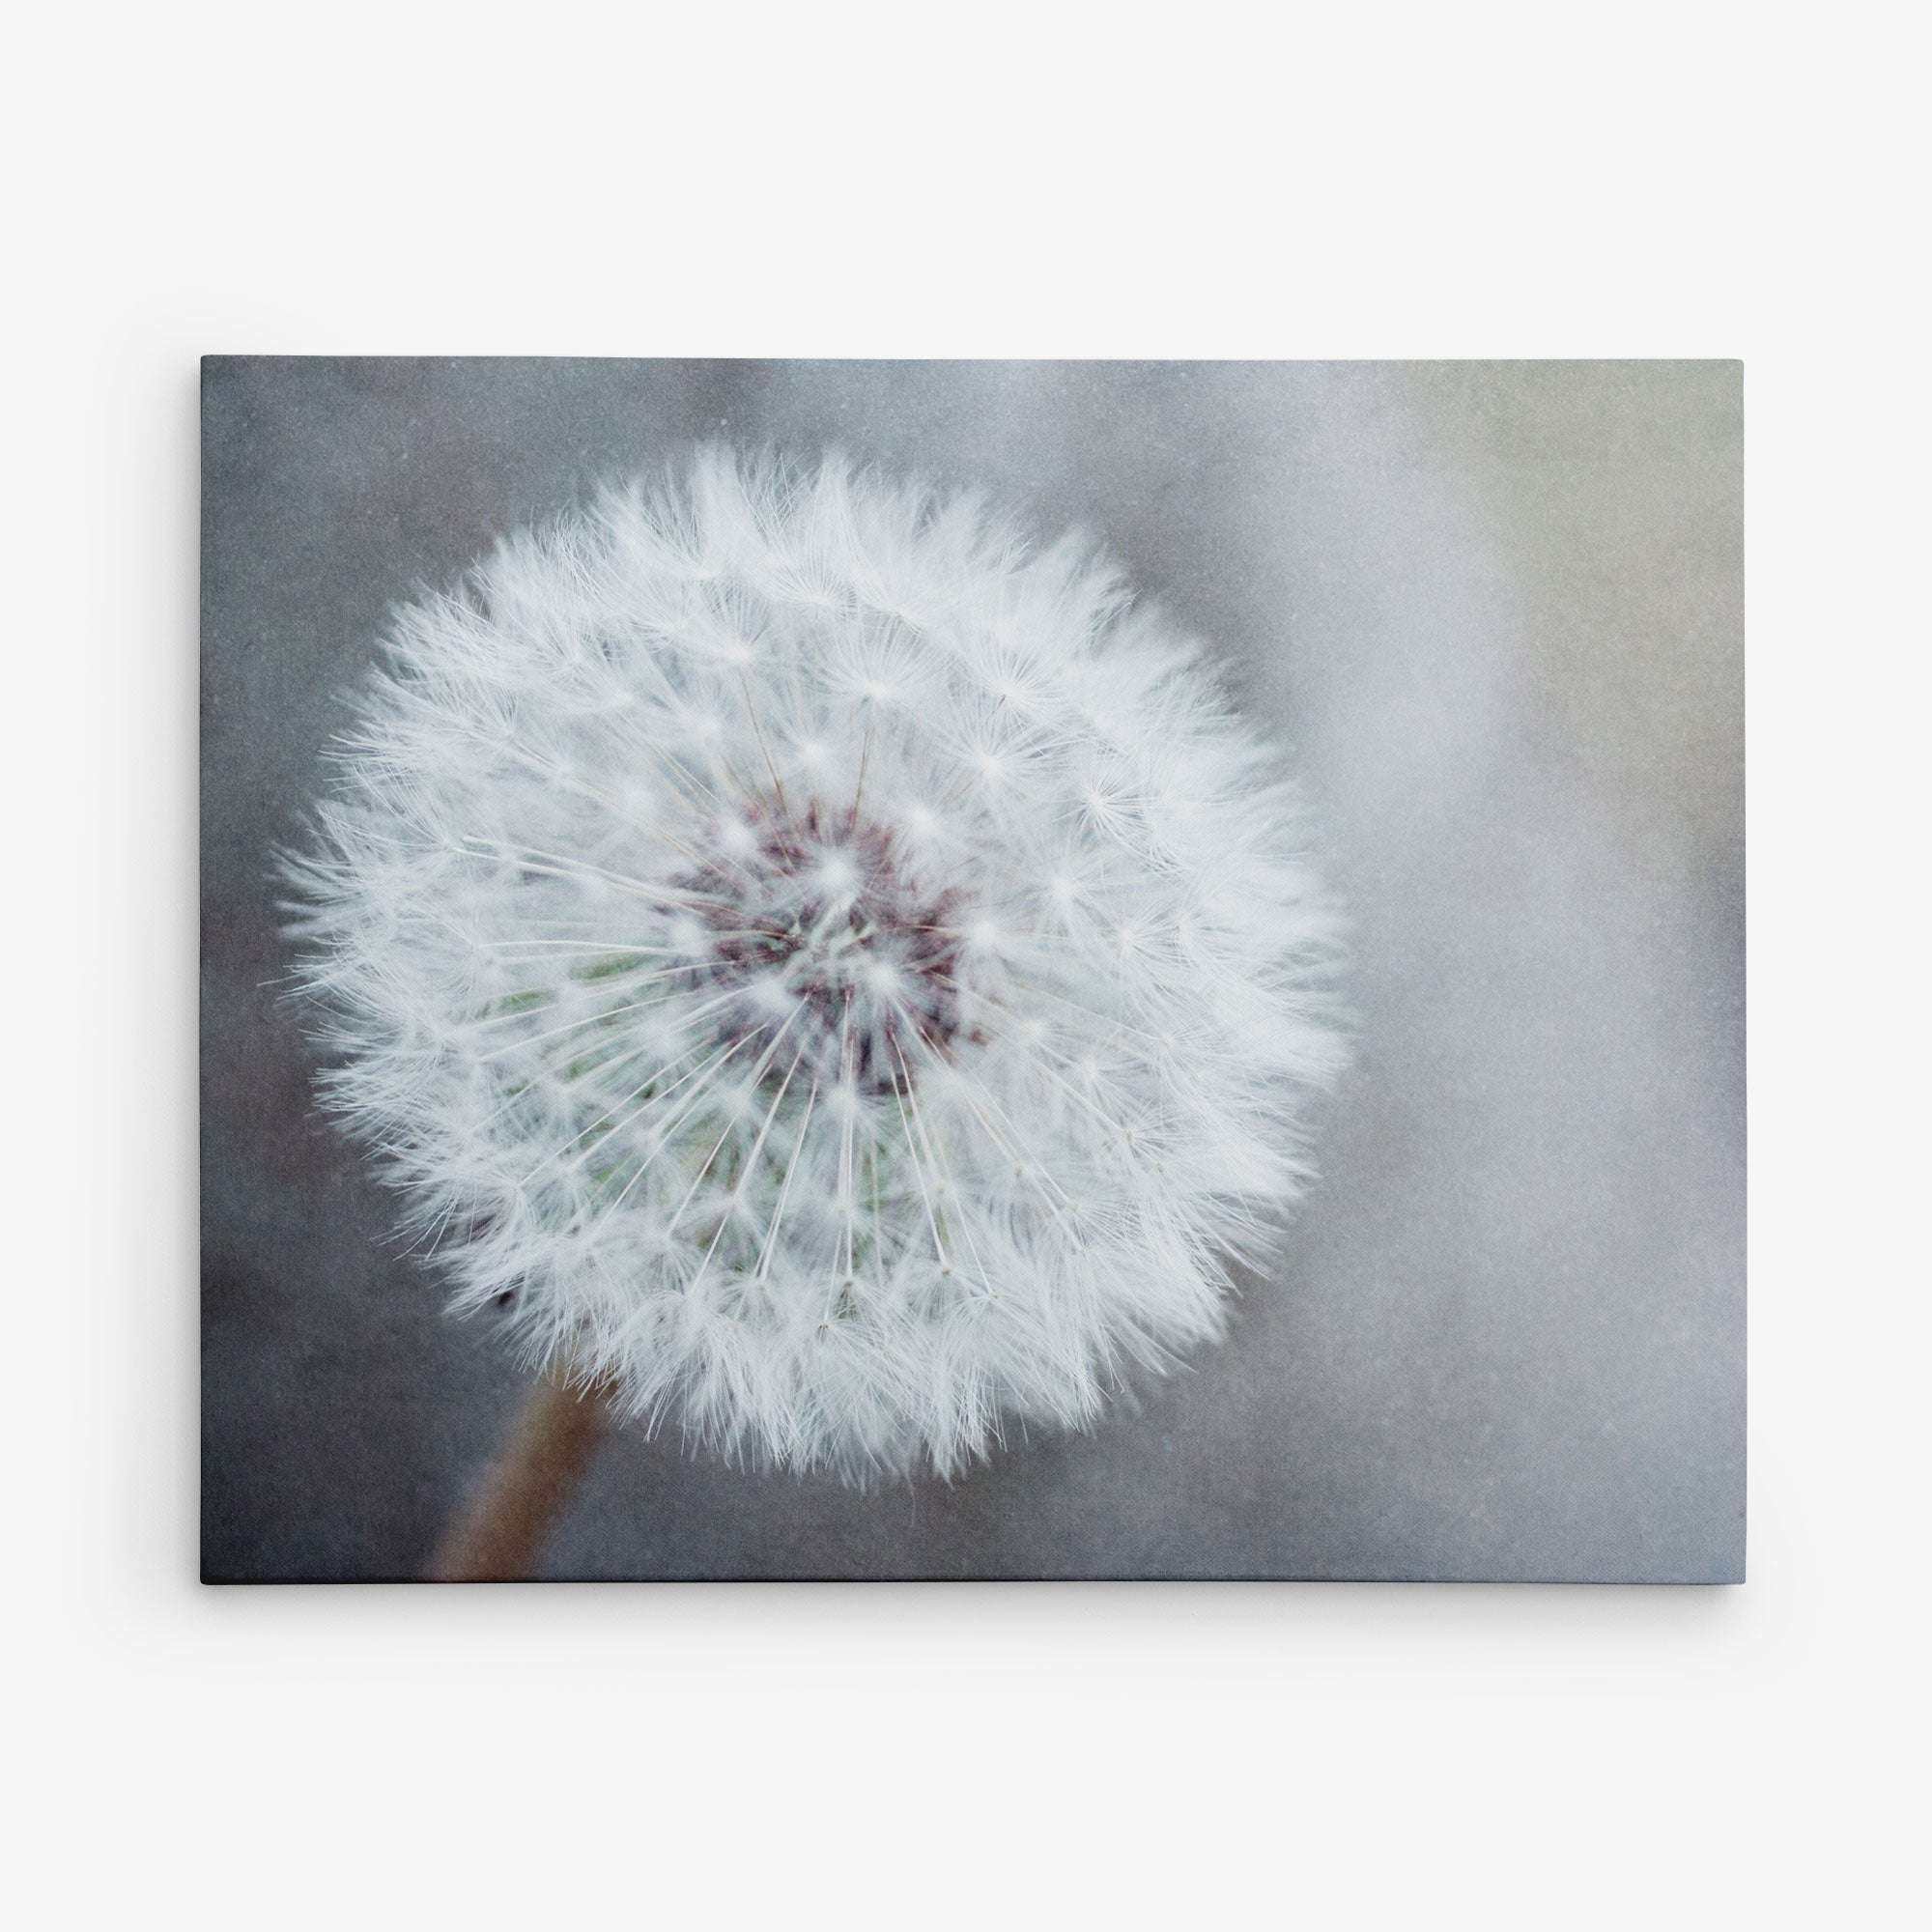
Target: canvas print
976, 970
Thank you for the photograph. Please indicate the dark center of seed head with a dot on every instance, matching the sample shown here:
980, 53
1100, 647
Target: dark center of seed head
815, 917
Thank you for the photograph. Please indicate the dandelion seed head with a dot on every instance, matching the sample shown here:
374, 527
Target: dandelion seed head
819, 960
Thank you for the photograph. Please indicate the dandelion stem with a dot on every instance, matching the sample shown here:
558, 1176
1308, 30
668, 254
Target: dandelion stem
503, 1529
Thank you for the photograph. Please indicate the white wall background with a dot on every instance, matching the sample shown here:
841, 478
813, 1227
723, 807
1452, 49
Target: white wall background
1653, 180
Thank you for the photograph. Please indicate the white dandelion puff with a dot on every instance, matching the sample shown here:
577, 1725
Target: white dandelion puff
835, 975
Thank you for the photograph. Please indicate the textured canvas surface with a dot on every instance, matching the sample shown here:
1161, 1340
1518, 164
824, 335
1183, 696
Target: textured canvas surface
1494, 609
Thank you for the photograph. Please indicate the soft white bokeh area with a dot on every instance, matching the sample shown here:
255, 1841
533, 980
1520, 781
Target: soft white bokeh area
1496, 609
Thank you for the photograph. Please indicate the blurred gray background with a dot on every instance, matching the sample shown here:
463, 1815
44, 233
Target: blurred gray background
1496, 609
